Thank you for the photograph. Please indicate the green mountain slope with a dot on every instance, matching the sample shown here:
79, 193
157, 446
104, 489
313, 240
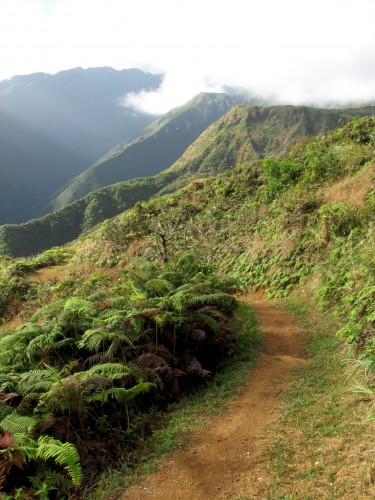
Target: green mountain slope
154, 150
52, 127
245, 133
141, 308
303, 219
252, 133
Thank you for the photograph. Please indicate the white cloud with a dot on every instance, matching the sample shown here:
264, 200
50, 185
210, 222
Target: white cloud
175, 90
294, 50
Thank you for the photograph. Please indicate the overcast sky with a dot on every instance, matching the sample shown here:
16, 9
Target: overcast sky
296, 51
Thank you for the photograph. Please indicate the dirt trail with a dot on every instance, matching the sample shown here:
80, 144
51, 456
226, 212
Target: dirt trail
223, 460
52, 273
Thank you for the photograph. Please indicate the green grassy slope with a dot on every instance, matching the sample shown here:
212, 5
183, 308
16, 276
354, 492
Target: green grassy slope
245, 133
152, 151
306, 219
248, 133
300, 221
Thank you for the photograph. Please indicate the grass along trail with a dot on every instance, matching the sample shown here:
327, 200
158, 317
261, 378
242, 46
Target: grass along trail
226, 457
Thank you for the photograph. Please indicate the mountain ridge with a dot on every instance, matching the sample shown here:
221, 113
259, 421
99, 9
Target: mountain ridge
216, 150
53, 126
153, 150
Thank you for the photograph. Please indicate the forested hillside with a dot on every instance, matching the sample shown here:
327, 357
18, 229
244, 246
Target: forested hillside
143, 309
52, 127
153, 150
245, 133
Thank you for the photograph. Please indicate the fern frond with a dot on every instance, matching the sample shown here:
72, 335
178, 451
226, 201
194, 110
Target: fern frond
49, 311
5, 410
38, 380
64, 454
208, 321
220, 299
77, 315
82, 306
117, 318
13, 345
62, 343
99, 382
118, 303
142, 268
42, 342
93, 340
63, 395
94, 359
17, 424
8, 381
113, 371
121, 394
159, 286
25, 444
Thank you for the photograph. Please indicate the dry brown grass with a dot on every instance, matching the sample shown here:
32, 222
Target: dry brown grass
136, 248
254, 245
287, 245
11, 324
353, 190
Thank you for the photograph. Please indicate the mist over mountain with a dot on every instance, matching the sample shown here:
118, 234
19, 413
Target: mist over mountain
52, 127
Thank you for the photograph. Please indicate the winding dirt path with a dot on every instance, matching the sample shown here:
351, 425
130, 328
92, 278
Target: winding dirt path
51, 273
223, 459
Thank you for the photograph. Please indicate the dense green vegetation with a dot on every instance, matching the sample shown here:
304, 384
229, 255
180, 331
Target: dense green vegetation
305, 219
137, 319
71, 378
246, 133
68, 223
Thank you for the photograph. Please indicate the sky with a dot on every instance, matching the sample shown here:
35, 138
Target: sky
290, 51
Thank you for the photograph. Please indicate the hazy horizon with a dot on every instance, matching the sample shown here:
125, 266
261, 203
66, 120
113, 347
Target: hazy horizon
294, 52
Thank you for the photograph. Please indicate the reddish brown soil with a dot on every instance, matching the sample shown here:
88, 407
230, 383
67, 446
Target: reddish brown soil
223, 459
53, 273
